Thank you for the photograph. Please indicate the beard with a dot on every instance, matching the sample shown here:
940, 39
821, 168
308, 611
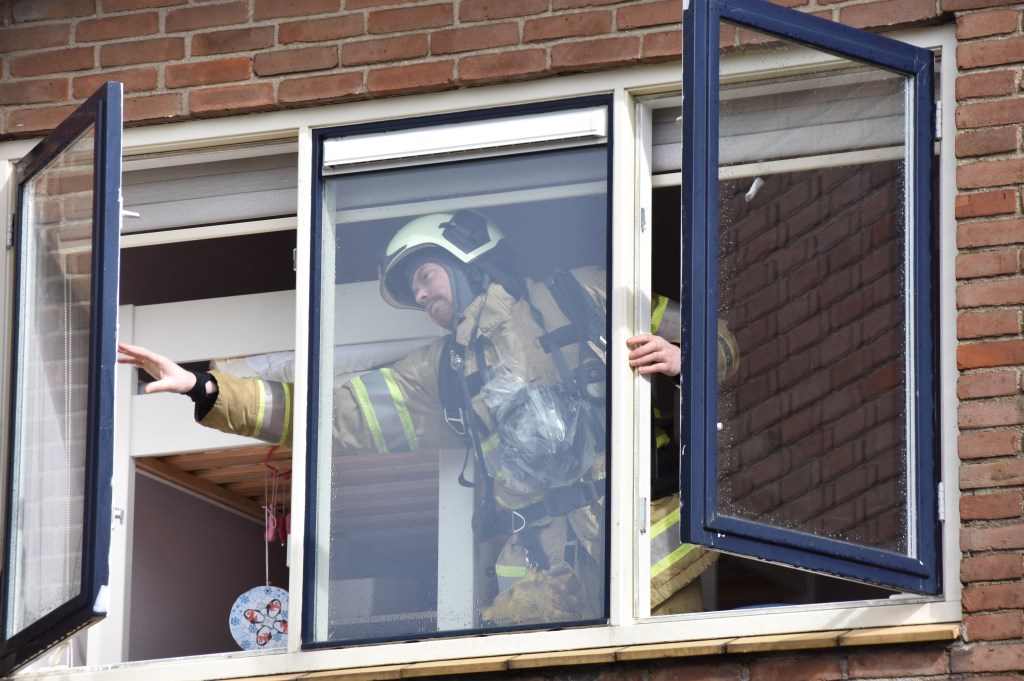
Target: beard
440, 311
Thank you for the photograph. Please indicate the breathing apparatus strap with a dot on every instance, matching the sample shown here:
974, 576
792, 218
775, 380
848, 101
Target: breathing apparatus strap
587, 328
562, 500
456, 388
556, 502
582, 309
458, 412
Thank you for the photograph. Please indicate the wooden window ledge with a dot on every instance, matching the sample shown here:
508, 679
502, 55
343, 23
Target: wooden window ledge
747, 644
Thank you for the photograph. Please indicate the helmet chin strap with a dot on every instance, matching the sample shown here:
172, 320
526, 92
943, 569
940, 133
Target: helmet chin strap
465, 288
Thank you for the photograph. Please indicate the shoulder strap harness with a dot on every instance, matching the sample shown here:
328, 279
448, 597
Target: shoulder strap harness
586, 327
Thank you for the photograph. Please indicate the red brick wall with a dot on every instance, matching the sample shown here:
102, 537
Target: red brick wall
990, 291
182, 59
811, 284
54, 383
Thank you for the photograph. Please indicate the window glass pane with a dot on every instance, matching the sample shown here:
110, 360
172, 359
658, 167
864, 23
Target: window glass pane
165, 193
695, 583
812, 432
420, 531
851, 109
45, 560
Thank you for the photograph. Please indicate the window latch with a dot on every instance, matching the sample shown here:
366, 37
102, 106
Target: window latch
941, 492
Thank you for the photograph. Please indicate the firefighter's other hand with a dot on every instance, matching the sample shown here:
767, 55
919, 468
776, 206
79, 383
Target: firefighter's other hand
650, 354
170, 378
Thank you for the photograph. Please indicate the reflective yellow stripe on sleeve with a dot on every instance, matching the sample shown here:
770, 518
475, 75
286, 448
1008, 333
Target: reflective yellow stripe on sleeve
658, 313
383, 404
665, 523
508, 575
674, 564
274, 412
670, 559
365, 404
665, 546
260, 410
403, 411
512, 571
287, 412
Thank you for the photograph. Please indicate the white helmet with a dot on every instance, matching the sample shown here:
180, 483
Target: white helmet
465, 235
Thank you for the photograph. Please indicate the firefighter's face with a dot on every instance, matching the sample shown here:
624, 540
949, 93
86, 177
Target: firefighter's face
433, 292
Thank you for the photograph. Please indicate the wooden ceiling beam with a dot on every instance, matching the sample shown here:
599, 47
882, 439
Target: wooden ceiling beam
169, 473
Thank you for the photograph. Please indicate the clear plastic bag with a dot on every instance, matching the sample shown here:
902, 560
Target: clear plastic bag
543, 441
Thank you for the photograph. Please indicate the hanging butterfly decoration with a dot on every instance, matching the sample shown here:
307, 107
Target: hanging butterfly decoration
259, 618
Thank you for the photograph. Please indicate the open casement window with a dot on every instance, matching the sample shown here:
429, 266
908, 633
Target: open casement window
60, 441
807, 232
394, 551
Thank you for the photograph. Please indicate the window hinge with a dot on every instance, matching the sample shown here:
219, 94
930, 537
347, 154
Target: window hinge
10, 230
643, 219
643, 515
938, 120
295, 260
941, 501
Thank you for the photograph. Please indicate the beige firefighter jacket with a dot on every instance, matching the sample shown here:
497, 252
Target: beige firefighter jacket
509, 335
414, 421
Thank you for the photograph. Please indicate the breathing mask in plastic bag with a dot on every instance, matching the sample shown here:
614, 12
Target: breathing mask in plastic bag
546, 440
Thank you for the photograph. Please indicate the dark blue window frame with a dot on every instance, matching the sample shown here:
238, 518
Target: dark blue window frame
702, 520
317, 275
103, 111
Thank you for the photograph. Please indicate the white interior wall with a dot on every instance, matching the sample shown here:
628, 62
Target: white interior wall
191, 559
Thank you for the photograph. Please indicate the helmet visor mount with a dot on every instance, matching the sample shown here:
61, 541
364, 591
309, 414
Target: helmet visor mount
466, 230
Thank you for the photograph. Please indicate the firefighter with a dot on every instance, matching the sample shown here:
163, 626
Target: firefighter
518, 354
518, 379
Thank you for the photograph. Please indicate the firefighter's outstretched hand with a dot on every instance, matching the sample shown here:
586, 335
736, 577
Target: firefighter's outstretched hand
650, 354
170, 378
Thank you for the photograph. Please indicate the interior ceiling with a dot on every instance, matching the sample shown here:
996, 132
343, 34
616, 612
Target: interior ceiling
396, 492
240, 478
